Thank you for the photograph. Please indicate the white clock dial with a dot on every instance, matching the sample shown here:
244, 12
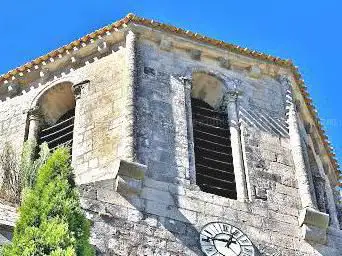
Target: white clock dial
222, 239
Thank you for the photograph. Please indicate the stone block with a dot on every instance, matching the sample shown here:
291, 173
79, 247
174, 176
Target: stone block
314, 234
190, 204
132, 170
113, 197
157, 195
173, 225
169, 211
314, 218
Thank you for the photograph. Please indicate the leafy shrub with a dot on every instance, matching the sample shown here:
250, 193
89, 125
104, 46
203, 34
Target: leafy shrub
51, 221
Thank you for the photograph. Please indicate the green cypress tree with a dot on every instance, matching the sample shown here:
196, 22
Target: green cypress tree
51, 221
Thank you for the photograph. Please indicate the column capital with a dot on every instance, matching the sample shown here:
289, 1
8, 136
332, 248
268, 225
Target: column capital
77, 89
229, 98
187, 81
35, 113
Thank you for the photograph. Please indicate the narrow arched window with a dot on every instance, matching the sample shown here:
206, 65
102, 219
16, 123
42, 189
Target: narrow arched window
211, 135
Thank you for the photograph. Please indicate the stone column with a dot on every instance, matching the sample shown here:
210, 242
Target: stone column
235, 139
34, 115
128, 129
77, 90
190, 130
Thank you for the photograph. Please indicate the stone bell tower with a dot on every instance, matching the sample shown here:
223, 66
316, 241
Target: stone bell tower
181, 144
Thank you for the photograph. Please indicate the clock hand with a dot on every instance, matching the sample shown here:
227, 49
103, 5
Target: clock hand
219, 239
229, 241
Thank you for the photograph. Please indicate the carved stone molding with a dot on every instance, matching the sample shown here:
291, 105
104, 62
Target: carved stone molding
224, 62
195, 54
229, 98
187, 81
35, 113
165, 44
77, 89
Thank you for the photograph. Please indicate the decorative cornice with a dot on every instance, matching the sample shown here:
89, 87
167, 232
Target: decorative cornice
131, 18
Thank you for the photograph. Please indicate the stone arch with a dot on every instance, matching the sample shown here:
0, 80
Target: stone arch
55, 99
209, 85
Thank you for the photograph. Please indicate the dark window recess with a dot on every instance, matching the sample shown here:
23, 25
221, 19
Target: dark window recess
60, 133
213, 153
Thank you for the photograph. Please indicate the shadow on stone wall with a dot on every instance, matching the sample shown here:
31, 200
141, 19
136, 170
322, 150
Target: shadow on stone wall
144, 216
264, 121
126, 223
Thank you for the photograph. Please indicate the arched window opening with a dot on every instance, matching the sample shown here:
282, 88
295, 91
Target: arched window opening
213, 154
60, 133
52, 117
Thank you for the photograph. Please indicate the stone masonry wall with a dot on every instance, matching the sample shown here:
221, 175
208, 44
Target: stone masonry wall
165, 211
165, 217
98, 119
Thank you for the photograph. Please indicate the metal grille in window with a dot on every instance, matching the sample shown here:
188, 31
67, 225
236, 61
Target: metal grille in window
213, 154
60, 133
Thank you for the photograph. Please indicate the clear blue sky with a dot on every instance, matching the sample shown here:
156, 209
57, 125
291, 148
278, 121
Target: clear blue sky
308, 32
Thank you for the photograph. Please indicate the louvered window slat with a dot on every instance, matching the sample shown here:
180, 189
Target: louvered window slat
213, 154
61, 133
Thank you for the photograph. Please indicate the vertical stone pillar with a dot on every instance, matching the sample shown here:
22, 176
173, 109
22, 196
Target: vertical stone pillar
306, 197
313, 222
77, 90
331, 204
190, 130
235, 139
34, 116
128, 127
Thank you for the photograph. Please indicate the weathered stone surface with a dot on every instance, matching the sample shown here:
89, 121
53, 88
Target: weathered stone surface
133, 151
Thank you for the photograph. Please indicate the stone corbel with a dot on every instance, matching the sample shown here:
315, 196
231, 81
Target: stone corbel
314, 225
254, 72
165, 44
224, 62
13, 89
195, 54
102, 46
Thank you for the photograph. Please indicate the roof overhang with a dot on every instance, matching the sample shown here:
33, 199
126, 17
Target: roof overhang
132, 20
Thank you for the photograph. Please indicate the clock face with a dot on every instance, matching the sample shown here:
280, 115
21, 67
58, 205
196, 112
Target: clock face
222, 239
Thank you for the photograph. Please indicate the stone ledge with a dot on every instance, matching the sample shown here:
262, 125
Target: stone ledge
314, 218
132, 170
129, 178
314, 225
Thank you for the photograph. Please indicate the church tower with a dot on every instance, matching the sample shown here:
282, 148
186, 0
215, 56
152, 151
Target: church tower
181, 144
